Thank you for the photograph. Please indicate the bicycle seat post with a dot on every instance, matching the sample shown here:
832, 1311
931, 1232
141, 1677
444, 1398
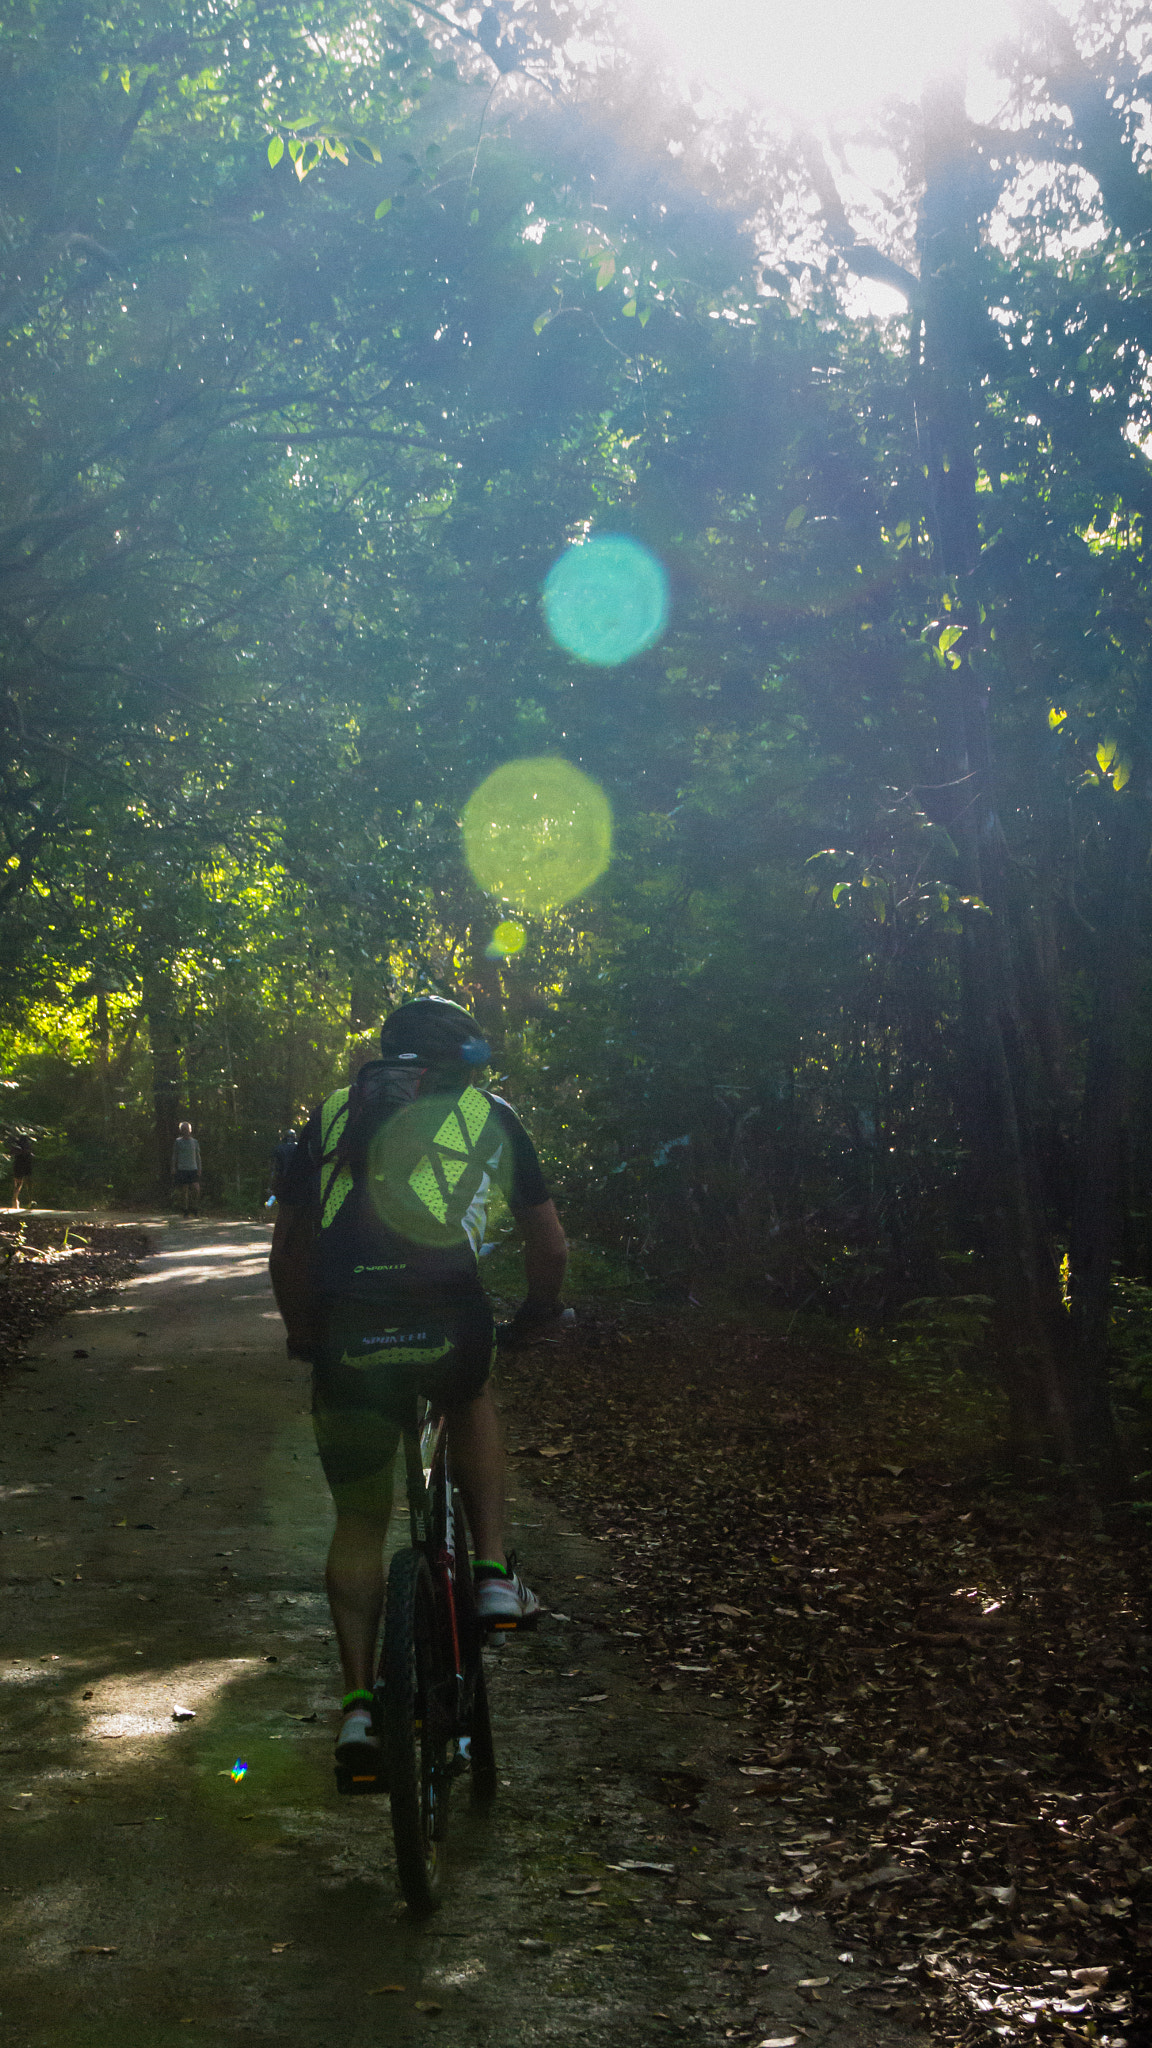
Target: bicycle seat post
418, 1503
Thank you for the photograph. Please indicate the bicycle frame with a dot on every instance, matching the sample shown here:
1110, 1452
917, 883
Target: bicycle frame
432, 1516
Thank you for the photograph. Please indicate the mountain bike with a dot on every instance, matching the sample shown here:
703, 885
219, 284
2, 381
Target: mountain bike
430, 1701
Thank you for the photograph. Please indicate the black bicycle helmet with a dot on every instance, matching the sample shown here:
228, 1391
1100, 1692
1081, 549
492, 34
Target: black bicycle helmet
434, 1031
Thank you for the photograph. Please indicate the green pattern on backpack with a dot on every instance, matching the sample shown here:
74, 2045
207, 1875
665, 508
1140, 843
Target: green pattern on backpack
333, 1118
452, 1150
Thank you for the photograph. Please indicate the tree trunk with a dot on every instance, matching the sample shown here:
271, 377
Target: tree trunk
160, 1008
1009, 1211
1096, 1214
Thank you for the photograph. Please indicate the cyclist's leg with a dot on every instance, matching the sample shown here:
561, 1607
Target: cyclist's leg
479, 1467
357, 1442
354, 1580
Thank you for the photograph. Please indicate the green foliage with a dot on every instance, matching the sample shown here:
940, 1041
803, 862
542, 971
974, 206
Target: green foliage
305, 389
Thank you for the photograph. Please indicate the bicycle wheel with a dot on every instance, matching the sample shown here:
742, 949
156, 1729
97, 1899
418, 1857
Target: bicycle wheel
416, 1728
477, 1719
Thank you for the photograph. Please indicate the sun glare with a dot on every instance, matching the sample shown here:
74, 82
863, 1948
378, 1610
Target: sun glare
824, 59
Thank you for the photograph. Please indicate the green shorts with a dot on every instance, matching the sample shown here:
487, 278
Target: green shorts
371, 1365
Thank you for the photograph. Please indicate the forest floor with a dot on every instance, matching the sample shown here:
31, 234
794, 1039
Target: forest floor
829, 1734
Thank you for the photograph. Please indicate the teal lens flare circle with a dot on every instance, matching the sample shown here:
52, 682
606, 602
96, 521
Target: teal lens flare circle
606, 600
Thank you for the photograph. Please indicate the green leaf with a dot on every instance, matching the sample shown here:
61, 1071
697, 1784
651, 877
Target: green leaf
126, 80
384, 207
366, 151
645, 316
1056, 717
275, 150
539, 325
606, 273
841, 889
949, 637
1121, 774
629, 309
474, 216
1106, 754
796, 517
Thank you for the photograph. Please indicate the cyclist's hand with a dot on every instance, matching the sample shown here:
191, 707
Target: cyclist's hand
532, 1323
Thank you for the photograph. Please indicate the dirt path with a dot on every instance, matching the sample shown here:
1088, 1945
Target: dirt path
165, 1523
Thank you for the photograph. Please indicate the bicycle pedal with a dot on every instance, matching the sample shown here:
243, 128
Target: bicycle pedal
360, 1784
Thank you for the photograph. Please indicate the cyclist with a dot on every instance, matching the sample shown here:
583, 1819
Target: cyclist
374, 1269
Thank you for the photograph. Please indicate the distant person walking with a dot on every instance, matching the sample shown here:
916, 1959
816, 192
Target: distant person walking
282, 1159
21, 1168
186, 1167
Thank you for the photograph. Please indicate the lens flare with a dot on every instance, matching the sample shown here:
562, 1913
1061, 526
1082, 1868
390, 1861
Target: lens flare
607, 600
238, 1771
507, 939
537, 833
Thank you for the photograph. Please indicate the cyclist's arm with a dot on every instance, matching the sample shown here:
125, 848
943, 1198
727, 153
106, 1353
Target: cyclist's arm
290, 1270
545, 1253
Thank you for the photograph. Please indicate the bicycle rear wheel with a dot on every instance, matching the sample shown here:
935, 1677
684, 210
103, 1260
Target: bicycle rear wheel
416, 1728
477, 1719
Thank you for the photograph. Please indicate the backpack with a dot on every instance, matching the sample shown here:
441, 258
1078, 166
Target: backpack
404, 1177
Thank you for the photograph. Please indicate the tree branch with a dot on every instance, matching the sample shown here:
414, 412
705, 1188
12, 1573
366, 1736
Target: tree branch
862, 257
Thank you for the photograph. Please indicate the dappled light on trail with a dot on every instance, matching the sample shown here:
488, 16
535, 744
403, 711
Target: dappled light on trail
138, 1703
537, 833
191, 1265
606, 600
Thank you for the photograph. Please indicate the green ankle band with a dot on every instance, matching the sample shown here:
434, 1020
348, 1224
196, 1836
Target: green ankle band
355, 1699
489, 1564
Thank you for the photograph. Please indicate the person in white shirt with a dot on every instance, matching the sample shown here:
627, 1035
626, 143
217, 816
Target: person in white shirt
186, 1167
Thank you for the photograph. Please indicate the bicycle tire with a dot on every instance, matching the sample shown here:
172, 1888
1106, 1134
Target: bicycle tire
477, 1717
415, 1729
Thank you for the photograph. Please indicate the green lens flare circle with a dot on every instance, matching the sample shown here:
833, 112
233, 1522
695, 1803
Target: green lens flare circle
607, 600
507, 939
537, 833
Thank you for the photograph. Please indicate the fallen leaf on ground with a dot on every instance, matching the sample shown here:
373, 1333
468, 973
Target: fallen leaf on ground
581, 1891
93, 1949
379, 1990
427, 2005
179, 1713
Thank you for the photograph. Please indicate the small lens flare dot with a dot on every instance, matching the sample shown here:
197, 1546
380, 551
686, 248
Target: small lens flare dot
507, 939
606, 600
238, 1771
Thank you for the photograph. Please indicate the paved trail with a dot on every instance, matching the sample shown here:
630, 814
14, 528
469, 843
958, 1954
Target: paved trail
165, 1523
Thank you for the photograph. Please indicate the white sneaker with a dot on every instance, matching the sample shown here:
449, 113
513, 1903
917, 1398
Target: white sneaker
503, 1600
357, 1748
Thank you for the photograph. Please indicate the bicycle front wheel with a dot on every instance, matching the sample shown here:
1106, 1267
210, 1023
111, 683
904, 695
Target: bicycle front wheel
416, 1728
